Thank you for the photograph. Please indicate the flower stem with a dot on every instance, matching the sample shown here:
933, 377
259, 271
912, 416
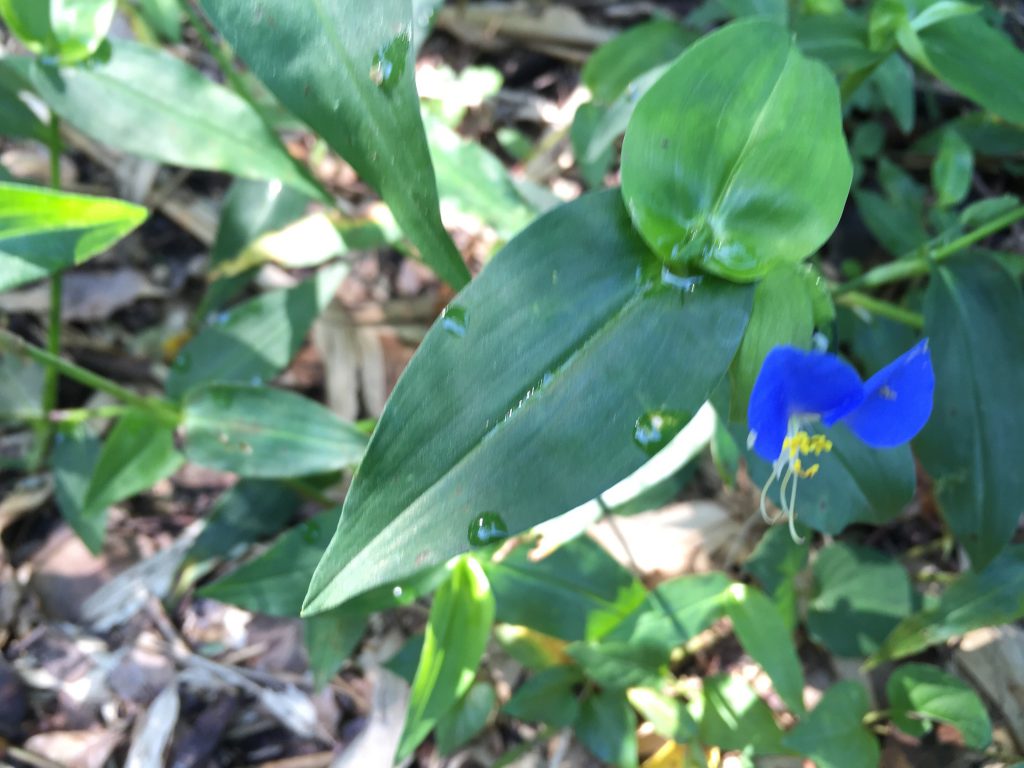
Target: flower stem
910, 265
10, 342
881, 308
51, 378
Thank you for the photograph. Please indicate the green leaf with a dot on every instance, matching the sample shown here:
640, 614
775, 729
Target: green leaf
607, 728
860, 596
275, 582
347, 70
473, 181
732, 717
894, 79
782, 314
896, 225
330, 639
21, 387
615, 117
833, 735
762, 631
251, 208
584, 126
856, 483
992, 596
775, 563
164, 16
547, 367
577, 592
264, 432
74, 461
667, 715
255, 340
618, 665
457, 633
16, 119
138, 452
952, 170
639, 49
71, 29
549, 697
987, 134
467, 719
974, 318
29, 20
776, 10
156, 105
673, 613
991, 75
43, 231
921, 693
717, 168
840, 40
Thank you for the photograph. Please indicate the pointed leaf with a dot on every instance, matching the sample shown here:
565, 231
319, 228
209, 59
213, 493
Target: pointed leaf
833, 735
550, 378
921, 693
43, 231
346, 69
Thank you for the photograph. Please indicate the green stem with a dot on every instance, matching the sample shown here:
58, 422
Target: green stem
66, 415
239, 86
51, 381
908, 265
11, 342
881, 308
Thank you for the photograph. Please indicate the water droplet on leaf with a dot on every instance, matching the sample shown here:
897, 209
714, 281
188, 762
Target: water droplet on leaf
486, 529
388, 63
455, 320
655, 429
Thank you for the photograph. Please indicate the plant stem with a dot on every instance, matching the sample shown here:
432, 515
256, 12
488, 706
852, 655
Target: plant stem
881, 308
908, 266
67, 415
51, 381
239, 86
13, 343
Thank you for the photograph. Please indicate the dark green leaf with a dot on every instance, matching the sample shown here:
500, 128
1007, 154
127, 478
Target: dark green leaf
74, 461
717, 170
457, 632
990, 597
264, 432
762, 631
347, 70
16, 119
157, 106
330, 639
894, 79
549, 367
861, 595
43, 231
895, 224
987, 134
138, 452
619, 665
584, 125
255, 340
776, 10
641, 48
775, 563
840, 40
607, 728
549, 697
576, 593
991, 75
952, 170
921, 693
782, 314
974, 318
21, 387
251, 209
467, 719
833, 735
250, 511
275, 582
731, 716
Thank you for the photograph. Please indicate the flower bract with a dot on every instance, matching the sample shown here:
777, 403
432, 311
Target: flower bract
797, 389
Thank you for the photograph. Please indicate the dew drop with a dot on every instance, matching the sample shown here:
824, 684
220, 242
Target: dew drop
687, 284
487, 528
396, 592
455, 320
388, 63
655, 429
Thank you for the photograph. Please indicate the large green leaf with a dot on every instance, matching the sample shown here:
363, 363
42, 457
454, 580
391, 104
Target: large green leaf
255, 340
735, 161
992, 596
993, 72
157, 106
70, 29
972, 446
457, 633
74, 460
550, 378
763, 633
606, 726
860, 596
264, 432
921, 693
43, 231
346, 69
467, 719
732, 717
16, 119
833, 735
551, 696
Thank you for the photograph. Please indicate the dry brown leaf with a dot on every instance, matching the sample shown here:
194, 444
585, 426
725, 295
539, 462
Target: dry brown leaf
76, 749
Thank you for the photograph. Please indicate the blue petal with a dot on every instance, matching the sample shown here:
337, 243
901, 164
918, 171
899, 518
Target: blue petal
898, 400
793, 382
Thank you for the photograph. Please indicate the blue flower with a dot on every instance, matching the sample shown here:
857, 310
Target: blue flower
796, 388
